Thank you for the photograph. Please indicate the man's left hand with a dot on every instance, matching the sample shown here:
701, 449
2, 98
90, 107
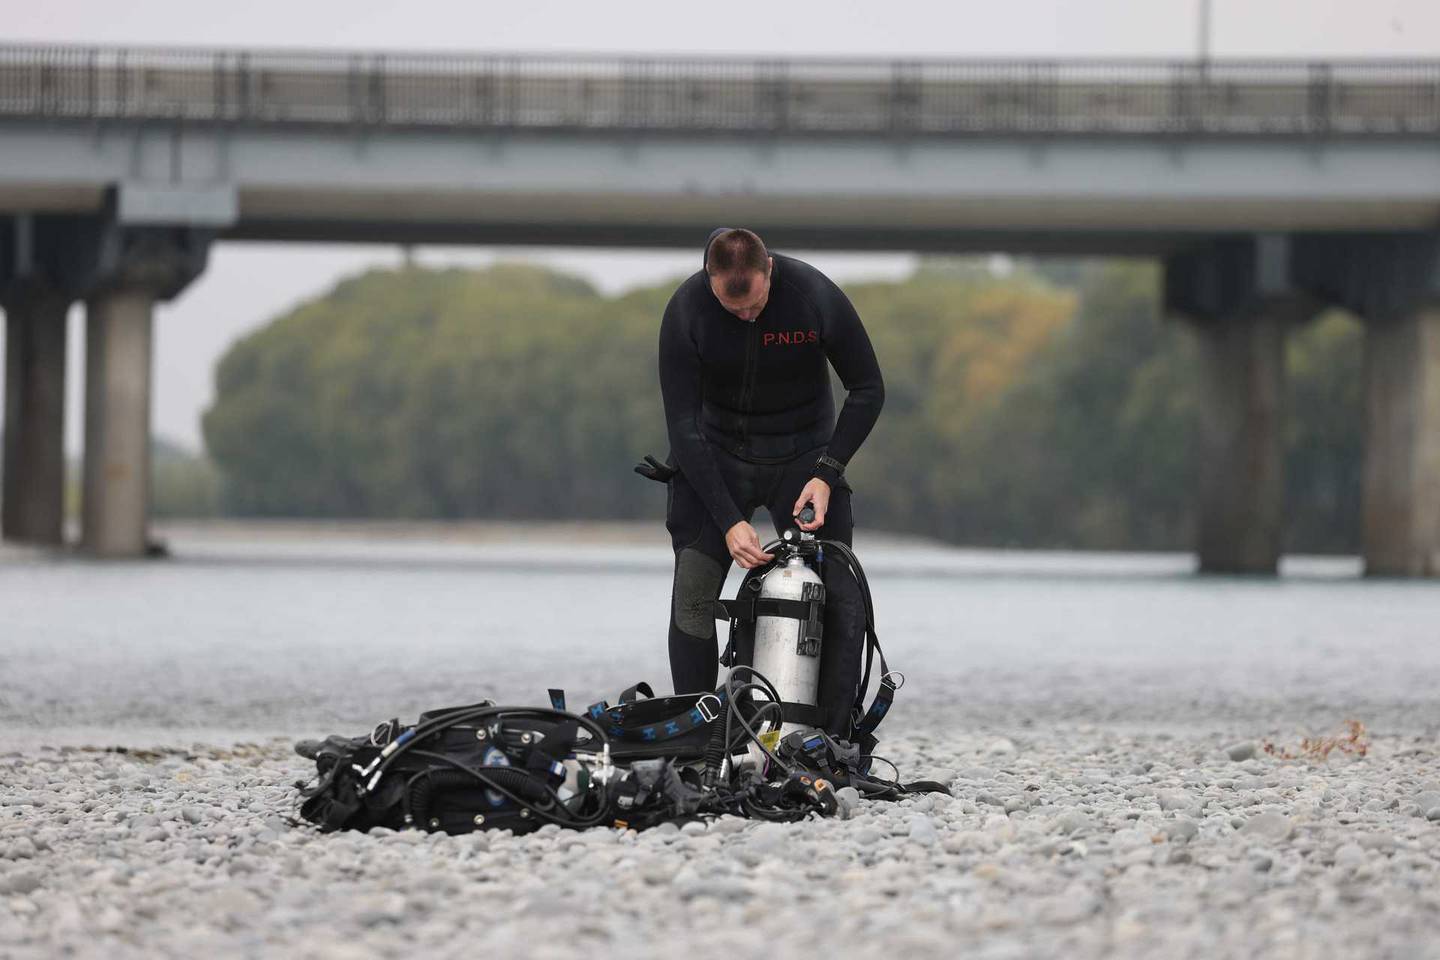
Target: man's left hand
817, 493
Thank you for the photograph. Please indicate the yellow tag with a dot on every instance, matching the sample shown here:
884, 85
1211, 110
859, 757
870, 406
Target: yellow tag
771, 740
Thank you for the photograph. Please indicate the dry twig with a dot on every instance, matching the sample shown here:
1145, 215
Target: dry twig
1354, 742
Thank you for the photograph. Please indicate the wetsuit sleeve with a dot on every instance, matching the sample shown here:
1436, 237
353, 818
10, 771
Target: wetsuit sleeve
681, 389
848, 347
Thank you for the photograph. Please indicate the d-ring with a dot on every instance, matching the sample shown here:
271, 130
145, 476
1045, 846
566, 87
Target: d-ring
706, 711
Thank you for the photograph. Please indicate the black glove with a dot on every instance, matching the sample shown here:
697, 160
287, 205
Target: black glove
653, 469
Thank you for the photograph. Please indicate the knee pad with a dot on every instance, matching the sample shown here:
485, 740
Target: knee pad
698, 579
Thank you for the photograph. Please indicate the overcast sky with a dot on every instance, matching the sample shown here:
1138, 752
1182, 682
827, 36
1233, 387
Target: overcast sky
247, 284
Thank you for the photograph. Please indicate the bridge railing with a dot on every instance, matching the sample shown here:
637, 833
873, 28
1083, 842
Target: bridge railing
798, 96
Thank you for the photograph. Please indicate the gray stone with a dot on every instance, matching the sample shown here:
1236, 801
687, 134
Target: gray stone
1181, 829
726, 825
22, 849
922, 831
1349, 855
847, 799
1433, 813
1072, 821
21, 881
1240, 751
1269, 826
1175, 800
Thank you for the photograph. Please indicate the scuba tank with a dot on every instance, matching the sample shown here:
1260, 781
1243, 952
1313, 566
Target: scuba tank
789, 627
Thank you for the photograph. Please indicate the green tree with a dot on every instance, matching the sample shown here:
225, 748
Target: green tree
1046, 404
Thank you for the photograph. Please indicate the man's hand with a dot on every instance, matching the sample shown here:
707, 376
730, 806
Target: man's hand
744, 545
816, 492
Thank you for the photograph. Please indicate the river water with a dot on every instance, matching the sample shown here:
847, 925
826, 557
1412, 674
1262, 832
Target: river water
244, 634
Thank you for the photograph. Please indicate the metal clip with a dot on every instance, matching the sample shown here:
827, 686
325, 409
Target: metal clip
706, 711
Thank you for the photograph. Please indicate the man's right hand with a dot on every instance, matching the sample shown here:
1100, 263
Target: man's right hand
744, 545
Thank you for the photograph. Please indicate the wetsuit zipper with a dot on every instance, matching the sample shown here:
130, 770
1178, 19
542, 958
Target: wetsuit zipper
752, 340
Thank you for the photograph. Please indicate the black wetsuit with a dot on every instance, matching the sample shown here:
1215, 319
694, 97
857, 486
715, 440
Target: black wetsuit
749, 410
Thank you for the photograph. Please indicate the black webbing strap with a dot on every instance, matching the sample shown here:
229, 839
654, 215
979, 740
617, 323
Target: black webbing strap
549, 753
632, 694
745, 611
805, 714
867, 720
706, 710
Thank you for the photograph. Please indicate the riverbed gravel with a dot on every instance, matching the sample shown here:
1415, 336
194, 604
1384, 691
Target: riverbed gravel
1075, 841
1126, 745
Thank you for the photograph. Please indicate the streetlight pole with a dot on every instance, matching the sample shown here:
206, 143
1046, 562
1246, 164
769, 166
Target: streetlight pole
1203, 40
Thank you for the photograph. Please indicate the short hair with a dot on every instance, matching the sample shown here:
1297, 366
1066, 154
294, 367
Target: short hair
734, 254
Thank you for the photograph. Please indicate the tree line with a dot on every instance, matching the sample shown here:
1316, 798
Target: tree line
1043, 406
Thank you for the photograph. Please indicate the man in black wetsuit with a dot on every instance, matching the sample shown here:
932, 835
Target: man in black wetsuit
744, 347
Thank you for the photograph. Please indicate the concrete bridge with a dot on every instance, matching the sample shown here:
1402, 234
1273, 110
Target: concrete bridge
1269, 189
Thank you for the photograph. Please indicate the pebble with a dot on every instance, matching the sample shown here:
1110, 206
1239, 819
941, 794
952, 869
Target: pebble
922, 831
1174, 800
1272, 826
21, 881
1240, 751
848, 800
1091, 860
1349, 855
1182, 829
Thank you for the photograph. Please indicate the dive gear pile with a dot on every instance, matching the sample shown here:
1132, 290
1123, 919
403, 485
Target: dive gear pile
753, 748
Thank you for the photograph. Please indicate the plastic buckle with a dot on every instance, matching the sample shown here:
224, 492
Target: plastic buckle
709, 713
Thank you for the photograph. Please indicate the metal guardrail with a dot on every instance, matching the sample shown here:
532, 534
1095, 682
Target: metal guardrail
650, 94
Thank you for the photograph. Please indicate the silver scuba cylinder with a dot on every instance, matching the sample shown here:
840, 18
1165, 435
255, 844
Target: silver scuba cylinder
787, 649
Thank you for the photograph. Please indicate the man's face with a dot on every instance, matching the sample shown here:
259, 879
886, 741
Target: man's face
743, 294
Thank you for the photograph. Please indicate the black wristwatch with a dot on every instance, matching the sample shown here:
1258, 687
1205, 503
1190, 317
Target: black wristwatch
829, 469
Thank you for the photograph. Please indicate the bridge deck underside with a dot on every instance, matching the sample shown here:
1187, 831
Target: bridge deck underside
410, 186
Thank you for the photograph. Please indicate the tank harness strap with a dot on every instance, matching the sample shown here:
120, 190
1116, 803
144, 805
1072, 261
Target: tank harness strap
548, 755
706, 709
632, 694
805, 714
746, 611
867, 720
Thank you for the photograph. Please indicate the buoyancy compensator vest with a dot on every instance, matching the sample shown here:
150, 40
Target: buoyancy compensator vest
806, 620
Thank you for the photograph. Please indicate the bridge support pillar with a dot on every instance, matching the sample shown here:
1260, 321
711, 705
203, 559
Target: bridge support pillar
1392, 281
117, 422
128, 270
34, 486
1236, 296
1401, 523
